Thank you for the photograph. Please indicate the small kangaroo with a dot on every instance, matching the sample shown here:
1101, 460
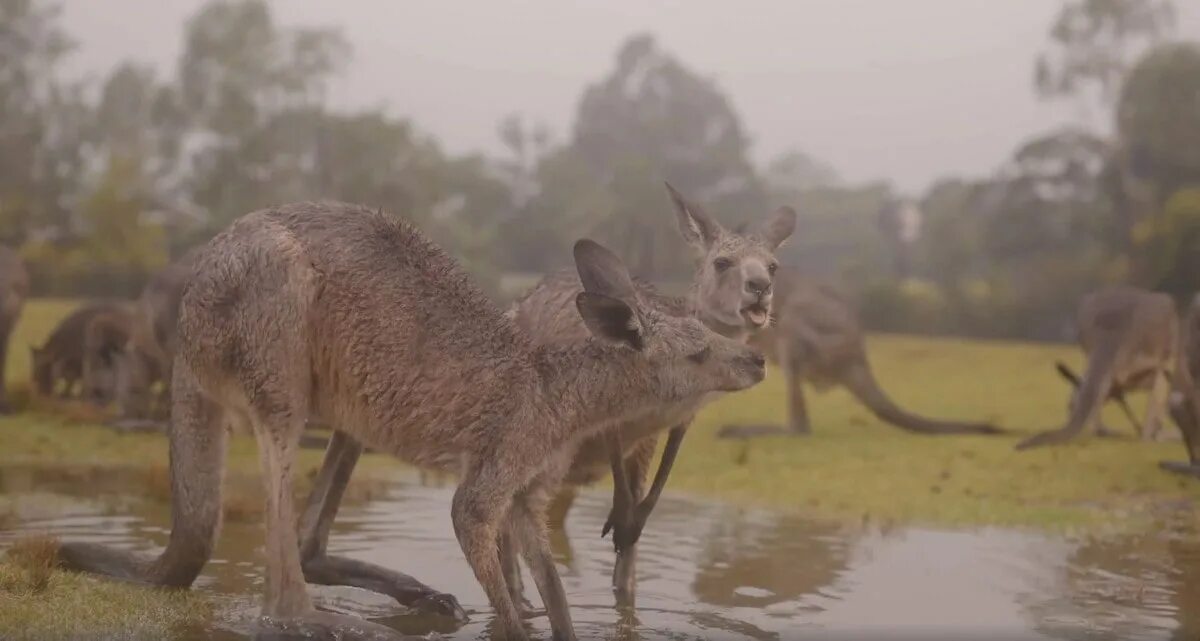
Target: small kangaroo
14, 289
150, 351
333, 310
817, 337
1184, 401
1130, 336
60, 359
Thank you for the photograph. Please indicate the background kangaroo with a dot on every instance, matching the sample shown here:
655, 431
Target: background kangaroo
1184, 401
1130, 337
731, 292
153, 337
14, 288
58, 364
817, 337
105, 337
334, 310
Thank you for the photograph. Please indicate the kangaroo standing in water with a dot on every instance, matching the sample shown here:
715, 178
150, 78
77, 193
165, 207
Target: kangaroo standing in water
1130, 337
14, 288
817, 337
1184, 400
731, 293
332, 310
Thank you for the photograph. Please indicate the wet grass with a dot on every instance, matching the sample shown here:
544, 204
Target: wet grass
855, 467
38, 601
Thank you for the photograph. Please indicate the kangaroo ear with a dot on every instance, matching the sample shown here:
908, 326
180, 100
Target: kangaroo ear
700, 230
610, 319
602, 272
779, 227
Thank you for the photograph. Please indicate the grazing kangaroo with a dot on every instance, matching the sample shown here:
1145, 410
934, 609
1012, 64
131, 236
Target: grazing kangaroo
14, 288
1184, 403
150, 351
60, 359
731, 293
817, 337
1130, 337
105, 337
336, 311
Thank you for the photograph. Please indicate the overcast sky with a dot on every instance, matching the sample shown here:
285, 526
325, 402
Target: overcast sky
904, 90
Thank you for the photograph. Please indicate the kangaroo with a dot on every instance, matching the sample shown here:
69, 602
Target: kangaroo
817, 337
1130, 337
731, 293
105, 337
60, 359
1184, 401
338, 311
14, 288
150, 351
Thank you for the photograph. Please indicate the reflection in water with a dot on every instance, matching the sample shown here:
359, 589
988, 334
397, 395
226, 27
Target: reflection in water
706, 571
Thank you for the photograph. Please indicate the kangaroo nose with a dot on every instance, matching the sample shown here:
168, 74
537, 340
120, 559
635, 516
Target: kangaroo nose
758, 286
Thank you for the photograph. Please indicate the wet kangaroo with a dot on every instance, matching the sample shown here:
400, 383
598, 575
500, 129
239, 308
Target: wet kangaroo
336, 311
14, 289
817, 337
731, 292
1130, 337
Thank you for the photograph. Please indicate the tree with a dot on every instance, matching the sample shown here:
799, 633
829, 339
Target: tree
1093, 42
652, 119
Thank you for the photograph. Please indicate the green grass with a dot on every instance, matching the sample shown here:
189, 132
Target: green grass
38, 319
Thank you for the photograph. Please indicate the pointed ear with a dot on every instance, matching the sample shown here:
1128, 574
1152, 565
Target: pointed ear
609, 319
700, 230
602, 272
779, 227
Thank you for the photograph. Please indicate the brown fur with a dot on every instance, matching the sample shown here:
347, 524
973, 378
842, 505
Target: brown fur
150, 352
58, 364
718, 297
1184, 401
1130, 337
333, 310
817, 337
105, 338
14, 289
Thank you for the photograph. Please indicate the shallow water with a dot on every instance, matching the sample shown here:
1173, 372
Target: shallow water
706, 570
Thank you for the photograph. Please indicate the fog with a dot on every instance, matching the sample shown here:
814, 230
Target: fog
902, 91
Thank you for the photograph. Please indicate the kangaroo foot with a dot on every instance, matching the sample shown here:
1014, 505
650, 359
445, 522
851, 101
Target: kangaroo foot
754, 431
336, 570
325, 625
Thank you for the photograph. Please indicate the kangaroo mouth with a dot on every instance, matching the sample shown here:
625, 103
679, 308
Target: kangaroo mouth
756, 315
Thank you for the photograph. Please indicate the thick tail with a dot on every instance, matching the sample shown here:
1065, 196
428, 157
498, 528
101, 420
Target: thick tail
198, 436
1089, 397
861, 382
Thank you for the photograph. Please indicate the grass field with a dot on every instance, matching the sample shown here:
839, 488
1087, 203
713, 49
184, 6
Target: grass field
852, 469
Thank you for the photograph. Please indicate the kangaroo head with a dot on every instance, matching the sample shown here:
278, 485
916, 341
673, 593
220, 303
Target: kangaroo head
735, 271
684, 356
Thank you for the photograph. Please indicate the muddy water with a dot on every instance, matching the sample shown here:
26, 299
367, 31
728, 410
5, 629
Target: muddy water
707, 571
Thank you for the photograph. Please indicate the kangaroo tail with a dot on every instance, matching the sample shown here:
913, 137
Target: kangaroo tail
861, 382
1089, 397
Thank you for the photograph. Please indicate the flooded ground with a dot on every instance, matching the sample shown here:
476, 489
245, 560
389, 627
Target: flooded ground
707, 570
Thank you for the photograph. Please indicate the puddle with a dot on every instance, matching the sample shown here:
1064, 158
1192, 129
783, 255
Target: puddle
707, 571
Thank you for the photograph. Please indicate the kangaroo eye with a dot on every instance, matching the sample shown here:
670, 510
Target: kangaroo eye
721, 264
700, 356
771, 269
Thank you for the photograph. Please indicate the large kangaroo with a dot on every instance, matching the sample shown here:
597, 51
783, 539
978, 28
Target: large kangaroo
1184, 400
1130, 337
150, 352
731, 293
334, 310
14, 288
817, 337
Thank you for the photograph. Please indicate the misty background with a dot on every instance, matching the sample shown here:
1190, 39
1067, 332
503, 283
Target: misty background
960, 166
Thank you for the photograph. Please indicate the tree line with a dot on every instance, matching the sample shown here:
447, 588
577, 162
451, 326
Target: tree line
102, 183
